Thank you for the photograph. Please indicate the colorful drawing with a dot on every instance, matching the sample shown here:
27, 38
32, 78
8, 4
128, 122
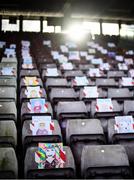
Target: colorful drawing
50, 155
33, 92
81, 81
37, 106
31, 81
42, 125
7, 71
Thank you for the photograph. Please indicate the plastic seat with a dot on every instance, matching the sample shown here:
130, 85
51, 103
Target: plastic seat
104, 161
8, 111
8, 133
26, 114
105, 83
23, 96
128, 107
116, 74
32, 140
24, 73
4, 59
72, 73
56, 82
8, 82
71, 109
123, 138
8, 64
81, 132
117, 110
62, 94
8, 163
32, 171
120, 94
8, 94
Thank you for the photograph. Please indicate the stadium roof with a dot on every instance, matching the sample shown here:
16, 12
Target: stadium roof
86, 9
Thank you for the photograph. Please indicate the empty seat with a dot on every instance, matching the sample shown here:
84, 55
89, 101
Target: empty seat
120, 94
5, 59
56, 82
8, 163
8, 82
72, 73
32, 171
71, 109
128, 107
8, 133
8, 111
116, 74
104, 161
122, 133
7, 94
24, 73
8, 64
29, 139
80, 132
105, 83
62, 94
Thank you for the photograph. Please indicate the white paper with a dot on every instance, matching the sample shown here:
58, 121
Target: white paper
94, 72
131, 73
67, 66
64, 49
124, 124
74, 55
41, 125
33, 92
104, 105
81, 81
127, 81
52, 72
104, 66
91, 51
91, 92
119, 58
96, 61
129, 61
122, 66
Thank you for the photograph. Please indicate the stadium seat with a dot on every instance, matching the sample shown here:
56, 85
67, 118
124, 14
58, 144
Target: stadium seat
62, 94
8, 163
32, 171
106, 83
71, 109
31, 140
104, 161
56, 82
8, 133
116, 74
120, 94
125, 138
8, 82
128, 107
7, 94
24, 73
8, 111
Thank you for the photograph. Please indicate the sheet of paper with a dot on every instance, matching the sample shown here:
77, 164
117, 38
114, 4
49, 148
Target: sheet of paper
81, 81
38, 106
91, 92
33, 92
50, 156
42, 125
104, 105
124, 124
